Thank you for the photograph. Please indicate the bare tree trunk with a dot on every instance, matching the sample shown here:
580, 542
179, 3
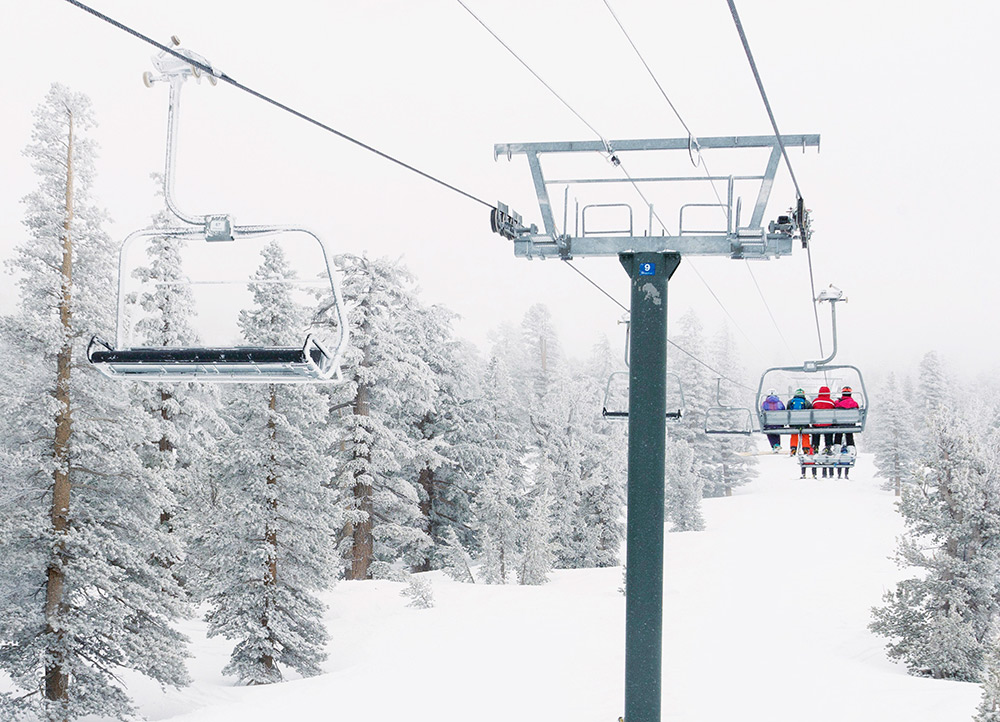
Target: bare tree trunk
56, 680
363, 548
426, 481
165, 446
270, 533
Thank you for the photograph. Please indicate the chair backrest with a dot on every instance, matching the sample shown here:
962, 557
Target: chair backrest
807, 418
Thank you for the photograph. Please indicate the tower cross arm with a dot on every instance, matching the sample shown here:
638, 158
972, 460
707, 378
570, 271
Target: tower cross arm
597, 146
761, 245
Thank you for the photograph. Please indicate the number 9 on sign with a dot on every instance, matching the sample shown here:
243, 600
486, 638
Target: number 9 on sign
647, 269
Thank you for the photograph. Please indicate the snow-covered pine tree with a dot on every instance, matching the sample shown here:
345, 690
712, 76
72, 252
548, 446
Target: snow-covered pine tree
893, 437
941, 621
727, 465
391, 388
420, 592
683, 488
934, 387
270, 543
496, 510
83, 548
542, 355
498, 475
699, 392
989, 705
437, 436
183, 417
604, 452
536, 544
557, 395
560, 446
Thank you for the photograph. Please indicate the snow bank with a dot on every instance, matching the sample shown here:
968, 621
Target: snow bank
766, 619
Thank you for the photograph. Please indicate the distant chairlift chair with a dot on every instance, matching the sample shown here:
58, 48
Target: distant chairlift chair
617, 388
728, 420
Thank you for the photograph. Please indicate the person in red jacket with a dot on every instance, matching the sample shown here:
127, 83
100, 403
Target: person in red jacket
823, 401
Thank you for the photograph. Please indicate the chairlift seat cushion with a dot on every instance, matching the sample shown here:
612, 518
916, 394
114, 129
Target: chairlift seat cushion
237, 364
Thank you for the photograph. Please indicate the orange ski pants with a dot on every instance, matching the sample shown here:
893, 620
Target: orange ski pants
805, 441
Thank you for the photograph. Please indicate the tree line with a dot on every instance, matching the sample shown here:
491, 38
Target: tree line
127, 506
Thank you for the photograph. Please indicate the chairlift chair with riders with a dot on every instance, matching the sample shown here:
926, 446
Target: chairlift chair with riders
816, 421
311, 361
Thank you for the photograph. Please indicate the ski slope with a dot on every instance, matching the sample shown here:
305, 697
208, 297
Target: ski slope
766, 617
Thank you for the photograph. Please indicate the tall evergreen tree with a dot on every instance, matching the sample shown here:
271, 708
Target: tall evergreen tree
728, 465
933, 390
84, 549
699, 395
271, 541
941, 622
183, 420
391, 388
437, 436
893, 437
989, 705
683, 488
498, 476
604, 451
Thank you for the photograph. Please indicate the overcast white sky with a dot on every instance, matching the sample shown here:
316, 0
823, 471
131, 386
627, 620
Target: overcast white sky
904, 95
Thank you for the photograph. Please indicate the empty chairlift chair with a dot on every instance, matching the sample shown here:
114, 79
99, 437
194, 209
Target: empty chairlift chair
310, 361
615, 405
728, 420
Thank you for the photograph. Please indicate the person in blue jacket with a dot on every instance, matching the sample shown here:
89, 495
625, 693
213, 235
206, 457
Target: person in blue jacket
799, 401
773, 403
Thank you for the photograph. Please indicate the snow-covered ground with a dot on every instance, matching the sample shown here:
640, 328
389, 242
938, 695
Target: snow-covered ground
766, 617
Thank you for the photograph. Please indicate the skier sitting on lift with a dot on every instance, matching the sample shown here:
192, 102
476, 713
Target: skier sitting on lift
799, 401
823, 401
773, 403
846, 401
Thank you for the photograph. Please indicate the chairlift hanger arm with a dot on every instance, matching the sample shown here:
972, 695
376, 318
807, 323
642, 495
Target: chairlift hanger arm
833, 296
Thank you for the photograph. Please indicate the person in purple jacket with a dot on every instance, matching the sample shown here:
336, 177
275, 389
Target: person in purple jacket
773, 403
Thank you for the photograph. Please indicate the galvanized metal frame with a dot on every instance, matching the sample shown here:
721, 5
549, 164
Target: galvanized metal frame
750, 241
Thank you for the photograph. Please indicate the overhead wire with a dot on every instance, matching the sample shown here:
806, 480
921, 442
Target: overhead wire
210, 70
610, 149
267, 99
684, 351
784, 154
701, 162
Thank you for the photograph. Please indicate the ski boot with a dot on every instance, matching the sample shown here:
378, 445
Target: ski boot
792, 451
814, 472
